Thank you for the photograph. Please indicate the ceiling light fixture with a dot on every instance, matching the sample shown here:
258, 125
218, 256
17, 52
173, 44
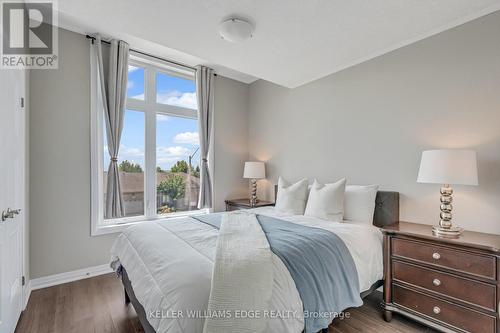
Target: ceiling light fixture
235, 30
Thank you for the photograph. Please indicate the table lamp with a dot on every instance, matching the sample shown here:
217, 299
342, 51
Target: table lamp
448, 166
254, 171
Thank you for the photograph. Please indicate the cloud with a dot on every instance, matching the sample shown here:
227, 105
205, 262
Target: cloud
173, 151
130, 84
140, 96
127, 151
131, 154
171, 154
132, 69
162, 117
191, 138
185, 100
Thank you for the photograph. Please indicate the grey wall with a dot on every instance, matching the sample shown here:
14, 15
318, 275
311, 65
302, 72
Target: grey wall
60, 165
59, 159
230, 140
371, 122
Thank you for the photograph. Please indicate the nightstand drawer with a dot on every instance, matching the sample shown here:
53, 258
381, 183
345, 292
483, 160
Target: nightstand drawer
460, 317
467, 262
474, 292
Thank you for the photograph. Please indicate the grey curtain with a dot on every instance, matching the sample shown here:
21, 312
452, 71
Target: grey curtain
113, 94
205, 95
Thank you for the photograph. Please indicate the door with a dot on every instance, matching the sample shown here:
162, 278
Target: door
12, 195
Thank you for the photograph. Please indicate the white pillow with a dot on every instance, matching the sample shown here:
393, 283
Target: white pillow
291, 198
326, 201
359, 203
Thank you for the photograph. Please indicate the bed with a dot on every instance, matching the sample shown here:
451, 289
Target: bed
167, 265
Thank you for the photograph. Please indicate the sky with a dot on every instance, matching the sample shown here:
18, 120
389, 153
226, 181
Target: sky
176, 137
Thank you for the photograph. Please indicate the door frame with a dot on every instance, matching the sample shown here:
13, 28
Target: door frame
26, 288
15, 230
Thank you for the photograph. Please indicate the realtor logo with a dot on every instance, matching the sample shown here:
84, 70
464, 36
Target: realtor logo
29, 35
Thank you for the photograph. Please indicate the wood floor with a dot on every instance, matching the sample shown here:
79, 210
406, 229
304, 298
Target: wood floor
96, 305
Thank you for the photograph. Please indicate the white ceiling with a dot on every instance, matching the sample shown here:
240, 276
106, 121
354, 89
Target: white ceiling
295, 41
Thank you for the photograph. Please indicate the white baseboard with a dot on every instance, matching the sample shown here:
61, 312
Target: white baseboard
27, 293
79, 274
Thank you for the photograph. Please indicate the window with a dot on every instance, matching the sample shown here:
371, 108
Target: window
159, 149
130, 162
183, 95
178, 167
135, 84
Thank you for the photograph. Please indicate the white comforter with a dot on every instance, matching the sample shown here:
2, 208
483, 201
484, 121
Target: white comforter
170, 262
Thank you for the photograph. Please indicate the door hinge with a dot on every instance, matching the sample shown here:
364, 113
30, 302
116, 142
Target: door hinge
23, 281
22, 102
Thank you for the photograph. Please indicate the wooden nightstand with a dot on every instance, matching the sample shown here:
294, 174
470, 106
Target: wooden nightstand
451, 285
237, 204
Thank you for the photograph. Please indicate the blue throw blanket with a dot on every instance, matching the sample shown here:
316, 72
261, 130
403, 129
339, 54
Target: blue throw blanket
319, 263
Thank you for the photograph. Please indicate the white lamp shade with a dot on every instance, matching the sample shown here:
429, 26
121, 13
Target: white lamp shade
254, 170
448, 166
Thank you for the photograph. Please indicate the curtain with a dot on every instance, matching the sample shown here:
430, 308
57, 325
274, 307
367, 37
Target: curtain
113, 89
205, 95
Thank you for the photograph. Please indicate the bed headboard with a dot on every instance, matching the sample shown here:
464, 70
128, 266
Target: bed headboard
386, 207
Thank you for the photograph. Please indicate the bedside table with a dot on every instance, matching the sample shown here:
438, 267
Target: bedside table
237, 204
452, 285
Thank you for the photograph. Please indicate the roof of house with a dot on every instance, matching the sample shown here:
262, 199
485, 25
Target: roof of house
133, 182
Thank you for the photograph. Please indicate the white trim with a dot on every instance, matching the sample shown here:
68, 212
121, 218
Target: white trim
176, 111
170, 110
150, 142
162, 66
26, 289
27, 294
120, 227
79, 274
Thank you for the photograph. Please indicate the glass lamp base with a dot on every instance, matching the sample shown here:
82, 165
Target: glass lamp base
452, 232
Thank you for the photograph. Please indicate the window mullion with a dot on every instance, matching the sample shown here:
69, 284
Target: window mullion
150, 151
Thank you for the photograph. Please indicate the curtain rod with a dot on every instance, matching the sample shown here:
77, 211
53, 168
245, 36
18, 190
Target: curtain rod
149, 55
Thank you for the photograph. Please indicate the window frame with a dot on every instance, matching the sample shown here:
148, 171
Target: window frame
151, 109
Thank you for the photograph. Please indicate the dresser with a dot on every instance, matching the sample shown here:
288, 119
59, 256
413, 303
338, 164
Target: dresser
237, 204
448, 284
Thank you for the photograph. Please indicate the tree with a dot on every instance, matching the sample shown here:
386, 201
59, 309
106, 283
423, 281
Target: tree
159, 170
196, 172
180, 166
174, 186
126, 166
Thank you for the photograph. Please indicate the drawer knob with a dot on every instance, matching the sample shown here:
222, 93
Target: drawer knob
436, 256
436, 282
436, 310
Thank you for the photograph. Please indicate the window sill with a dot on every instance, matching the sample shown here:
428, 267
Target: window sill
114, 228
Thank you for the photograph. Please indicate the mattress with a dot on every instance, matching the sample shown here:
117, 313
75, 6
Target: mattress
169, 263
